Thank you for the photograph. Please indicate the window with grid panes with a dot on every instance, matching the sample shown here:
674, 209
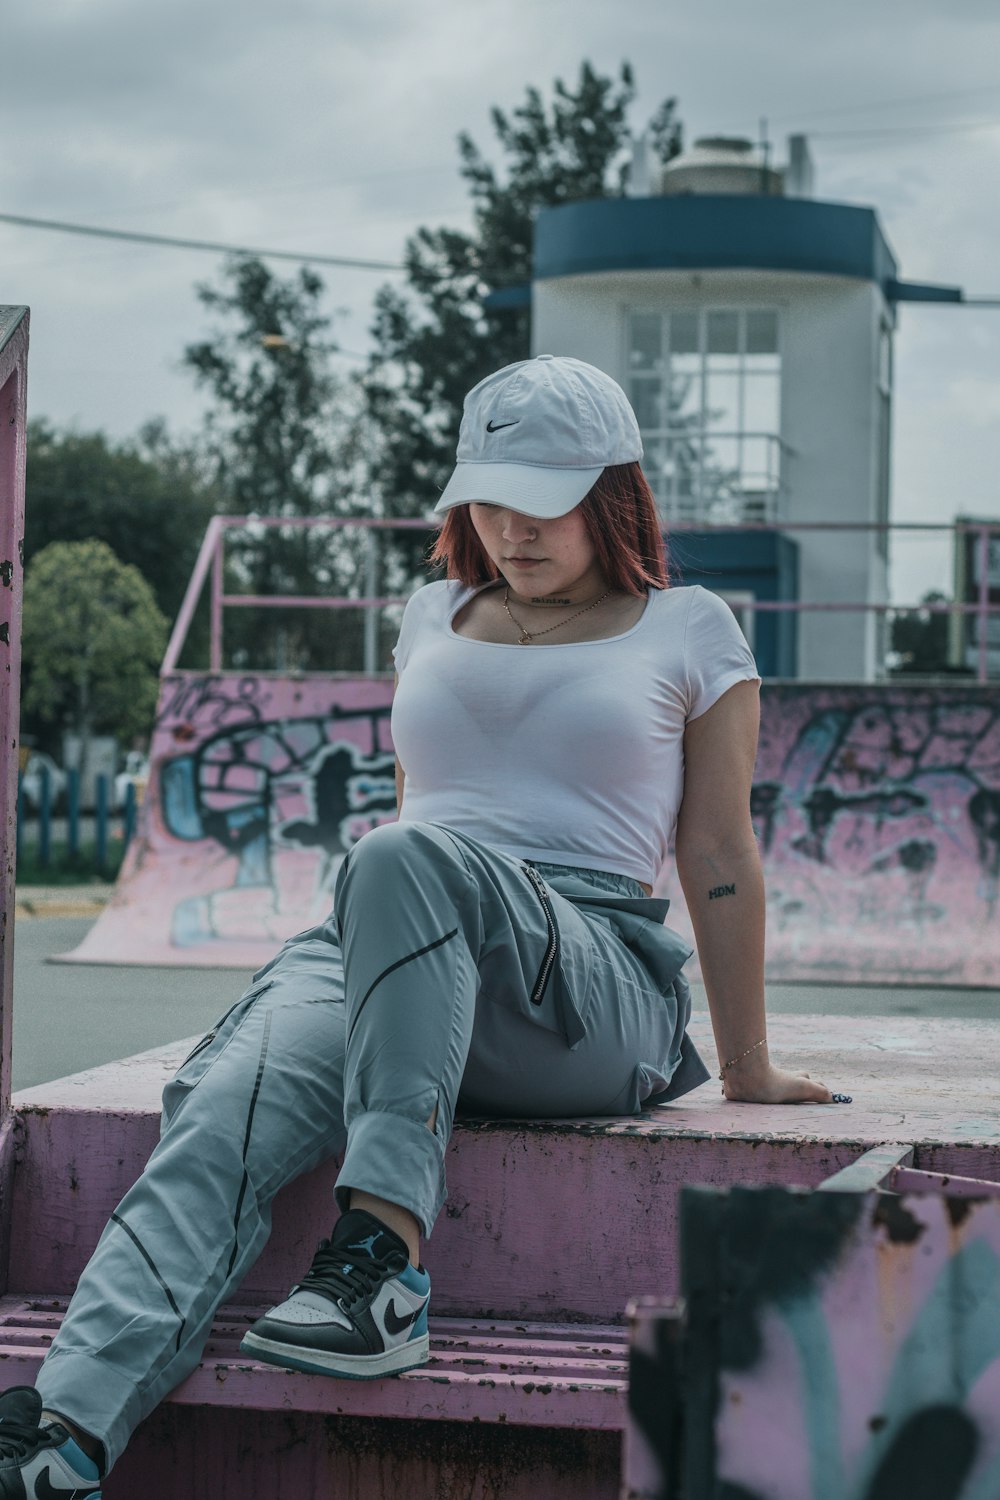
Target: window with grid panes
706, 388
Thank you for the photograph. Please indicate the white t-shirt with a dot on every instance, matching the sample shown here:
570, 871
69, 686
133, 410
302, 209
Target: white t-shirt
564, 754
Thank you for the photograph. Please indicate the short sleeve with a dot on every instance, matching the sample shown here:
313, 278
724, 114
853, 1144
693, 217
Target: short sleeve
407, 630
408, 627
716, 653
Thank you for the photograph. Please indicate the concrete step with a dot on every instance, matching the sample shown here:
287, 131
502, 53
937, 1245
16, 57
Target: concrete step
549, 1229
549, 1220
526, 1374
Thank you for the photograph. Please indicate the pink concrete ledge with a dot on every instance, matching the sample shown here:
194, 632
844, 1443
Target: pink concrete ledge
557, 1220
924, 1080
525, 1374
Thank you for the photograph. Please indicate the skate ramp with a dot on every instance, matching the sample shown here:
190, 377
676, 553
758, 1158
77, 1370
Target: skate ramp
877, 810
258, 787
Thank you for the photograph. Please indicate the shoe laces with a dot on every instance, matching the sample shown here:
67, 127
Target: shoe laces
18, 1439
348, 1275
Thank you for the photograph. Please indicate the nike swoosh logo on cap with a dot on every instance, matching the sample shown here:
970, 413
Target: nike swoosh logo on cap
496, 426
394, 1323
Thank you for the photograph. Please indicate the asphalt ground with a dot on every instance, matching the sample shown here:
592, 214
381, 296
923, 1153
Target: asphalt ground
73, 1016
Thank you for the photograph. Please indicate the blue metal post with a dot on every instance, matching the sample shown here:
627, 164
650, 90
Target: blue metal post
44, 819
101, 822
128, 828
73, 812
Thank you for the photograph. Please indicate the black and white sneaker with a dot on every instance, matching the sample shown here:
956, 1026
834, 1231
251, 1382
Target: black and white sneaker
39, 1460
360, 1310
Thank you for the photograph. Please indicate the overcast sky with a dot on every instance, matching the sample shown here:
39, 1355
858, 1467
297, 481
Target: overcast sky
314, 125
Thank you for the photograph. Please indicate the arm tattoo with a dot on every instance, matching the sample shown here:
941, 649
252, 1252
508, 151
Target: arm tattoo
721, 890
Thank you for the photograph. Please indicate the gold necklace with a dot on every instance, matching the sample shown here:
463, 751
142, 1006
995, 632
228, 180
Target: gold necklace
527, 636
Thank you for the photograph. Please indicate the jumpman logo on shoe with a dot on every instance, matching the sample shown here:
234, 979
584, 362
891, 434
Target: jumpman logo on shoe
367, 1245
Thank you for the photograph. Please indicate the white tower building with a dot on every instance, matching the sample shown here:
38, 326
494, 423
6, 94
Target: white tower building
752, 327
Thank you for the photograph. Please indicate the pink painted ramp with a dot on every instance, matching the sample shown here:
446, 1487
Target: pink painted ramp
877, 808
258, 787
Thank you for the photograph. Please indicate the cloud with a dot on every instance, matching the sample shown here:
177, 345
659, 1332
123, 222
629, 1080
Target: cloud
328, 126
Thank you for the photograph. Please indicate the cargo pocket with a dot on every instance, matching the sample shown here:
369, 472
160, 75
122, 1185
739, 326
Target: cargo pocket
207, 1051
661, 951
537, 959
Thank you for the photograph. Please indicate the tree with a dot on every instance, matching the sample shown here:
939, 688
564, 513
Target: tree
288, 438
266, 365
92, 641
920, 641
281, 436
437, 339
148, 498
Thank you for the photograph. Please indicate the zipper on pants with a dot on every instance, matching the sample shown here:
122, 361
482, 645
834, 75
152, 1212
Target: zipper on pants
206, 1041
251, 995
552, 947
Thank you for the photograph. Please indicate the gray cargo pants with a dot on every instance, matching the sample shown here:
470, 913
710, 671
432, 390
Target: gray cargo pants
446, 975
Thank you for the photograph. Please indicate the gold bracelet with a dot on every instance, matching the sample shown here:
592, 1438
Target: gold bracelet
734, 1060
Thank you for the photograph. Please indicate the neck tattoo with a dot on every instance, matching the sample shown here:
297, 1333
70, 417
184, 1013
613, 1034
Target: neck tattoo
525, 637
551, 599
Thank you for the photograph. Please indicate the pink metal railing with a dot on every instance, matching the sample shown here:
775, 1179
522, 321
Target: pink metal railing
210, 561
13, 393
192, 594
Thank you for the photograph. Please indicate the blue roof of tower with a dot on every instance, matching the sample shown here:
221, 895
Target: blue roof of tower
700, 232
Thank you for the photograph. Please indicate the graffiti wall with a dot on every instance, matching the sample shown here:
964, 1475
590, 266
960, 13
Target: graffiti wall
259, 786
847, 1347
877, 810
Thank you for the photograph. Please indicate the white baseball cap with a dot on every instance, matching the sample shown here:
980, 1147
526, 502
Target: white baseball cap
537, 435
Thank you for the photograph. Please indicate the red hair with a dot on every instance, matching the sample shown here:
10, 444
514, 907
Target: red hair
622, 524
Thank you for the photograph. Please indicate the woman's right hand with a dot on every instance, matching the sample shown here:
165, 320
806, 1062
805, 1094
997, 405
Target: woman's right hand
762, 1083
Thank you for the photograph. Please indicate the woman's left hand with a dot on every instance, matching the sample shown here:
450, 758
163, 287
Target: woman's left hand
770, 1085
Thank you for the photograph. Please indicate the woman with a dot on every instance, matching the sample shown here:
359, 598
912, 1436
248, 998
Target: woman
497, 947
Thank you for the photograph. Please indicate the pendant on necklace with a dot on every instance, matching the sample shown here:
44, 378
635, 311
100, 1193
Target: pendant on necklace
524, 640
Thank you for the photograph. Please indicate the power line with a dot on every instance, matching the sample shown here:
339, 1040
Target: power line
174, 243
908, 130
862, 109
801, 119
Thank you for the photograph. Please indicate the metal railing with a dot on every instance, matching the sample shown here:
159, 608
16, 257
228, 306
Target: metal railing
61, 834
210, 562
741, 494
211, 559
981, 608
